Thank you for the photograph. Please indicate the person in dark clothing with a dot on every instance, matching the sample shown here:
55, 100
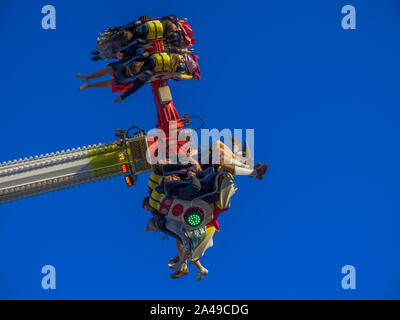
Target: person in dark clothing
185, 182
184, 189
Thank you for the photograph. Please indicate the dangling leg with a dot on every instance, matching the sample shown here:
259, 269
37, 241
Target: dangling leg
176, 258
238, 163
226, 155
181, 269
177, 264
98, 74
257, 171
240, 157
101, 85
236, 158
202, 271
220, 152
180, 266
245, 155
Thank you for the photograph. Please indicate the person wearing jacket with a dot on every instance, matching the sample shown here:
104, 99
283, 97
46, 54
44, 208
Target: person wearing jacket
189, 181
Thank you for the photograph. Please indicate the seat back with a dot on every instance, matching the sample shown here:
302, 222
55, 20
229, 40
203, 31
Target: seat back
227, 188
206, 243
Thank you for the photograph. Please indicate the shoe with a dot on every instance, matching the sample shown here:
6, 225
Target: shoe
174, 260
81, 76
202, 273
178, 274
83, 87
172, 265
256, 167
261, 171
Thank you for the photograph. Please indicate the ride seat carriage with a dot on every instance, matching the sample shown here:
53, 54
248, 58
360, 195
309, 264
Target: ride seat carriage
159, 63
197, 213
117, 39
146, 33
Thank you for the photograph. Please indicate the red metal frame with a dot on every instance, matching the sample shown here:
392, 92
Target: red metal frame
167, 116
165, 112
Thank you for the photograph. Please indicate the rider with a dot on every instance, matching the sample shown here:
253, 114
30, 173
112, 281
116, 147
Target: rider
143, 68
125, 39
222, 158
185, 182
188, 182
175, 65
186, 240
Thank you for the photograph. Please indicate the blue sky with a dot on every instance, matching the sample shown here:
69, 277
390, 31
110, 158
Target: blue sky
324, 105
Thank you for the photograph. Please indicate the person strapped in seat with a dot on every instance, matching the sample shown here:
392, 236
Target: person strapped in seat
129, 76
189, 239
125, 40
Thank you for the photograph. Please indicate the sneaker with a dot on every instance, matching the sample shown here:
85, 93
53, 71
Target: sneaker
178, 274
257, 166
261, 171
172, 265
201, 274
81, 76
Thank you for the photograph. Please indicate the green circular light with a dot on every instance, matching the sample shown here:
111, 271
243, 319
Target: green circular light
194, 220
194, 217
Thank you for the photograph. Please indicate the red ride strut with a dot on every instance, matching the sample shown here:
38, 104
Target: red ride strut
168, 118
165, 112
